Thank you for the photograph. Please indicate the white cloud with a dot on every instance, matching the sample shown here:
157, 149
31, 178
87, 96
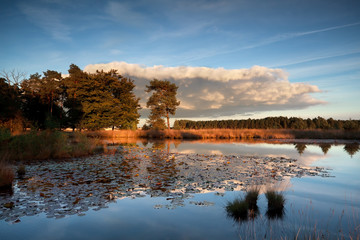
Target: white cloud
214, 92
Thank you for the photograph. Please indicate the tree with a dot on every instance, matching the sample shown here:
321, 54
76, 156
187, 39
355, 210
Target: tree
13, 77
106, 99
162, 102
10, 102
41, 99
126, 114
72, 104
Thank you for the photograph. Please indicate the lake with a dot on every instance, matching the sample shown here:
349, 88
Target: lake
179, 190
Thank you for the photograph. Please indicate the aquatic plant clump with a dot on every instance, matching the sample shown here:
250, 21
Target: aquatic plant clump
238, 209
276, 202
6, 176
251, 198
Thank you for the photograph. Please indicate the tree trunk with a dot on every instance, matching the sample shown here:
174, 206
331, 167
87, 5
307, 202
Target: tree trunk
168, 121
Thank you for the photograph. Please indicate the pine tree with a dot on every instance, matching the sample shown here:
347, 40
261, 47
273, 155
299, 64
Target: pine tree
106, 99
162, 102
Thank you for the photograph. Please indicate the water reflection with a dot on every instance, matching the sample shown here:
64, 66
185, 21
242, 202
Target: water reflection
162, 172
276, 204
75, 186
325, 147
176, 145
352, 148
300, 147
244, 209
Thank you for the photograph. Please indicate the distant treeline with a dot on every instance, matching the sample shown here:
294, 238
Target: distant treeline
271, 123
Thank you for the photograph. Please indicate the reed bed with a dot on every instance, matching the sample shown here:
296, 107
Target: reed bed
228, 134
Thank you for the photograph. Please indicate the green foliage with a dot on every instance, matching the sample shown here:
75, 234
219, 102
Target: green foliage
82, 100
42, 101
10, 103
9, 100
51, 122
101, 100
4, 134
162, 102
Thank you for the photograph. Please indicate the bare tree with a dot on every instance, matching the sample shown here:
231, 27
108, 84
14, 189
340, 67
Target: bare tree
13, 77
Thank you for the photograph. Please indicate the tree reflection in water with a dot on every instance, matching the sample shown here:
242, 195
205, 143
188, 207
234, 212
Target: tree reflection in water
300, 147
162, 171
60, 188
352, 148
325, 147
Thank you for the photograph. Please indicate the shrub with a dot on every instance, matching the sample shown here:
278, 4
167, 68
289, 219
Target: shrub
4, 134
6, 176
21, 171
47, 145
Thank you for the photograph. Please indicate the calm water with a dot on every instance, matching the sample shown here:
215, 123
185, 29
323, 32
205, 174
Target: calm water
314, 204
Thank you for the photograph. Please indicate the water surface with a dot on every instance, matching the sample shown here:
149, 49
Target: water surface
329, 199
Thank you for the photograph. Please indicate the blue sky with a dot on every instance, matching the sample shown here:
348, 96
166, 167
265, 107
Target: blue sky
307, 52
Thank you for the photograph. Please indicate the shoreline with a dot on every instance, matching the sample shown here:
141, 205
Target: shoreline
233, 134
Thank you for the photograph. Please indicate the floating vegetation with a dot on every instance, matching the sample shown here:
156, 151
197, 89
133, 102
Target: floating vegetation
72, 187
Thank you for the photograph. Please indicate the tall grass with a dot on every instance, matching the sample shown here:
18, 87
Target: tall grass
276, 202
46, 145
244, 209
228, 134
238, 209
251, 198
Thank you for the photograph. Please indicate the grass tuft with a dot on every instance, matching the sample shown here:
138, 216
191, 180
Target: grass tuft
6, 176
251, 198
276, 202
237, 209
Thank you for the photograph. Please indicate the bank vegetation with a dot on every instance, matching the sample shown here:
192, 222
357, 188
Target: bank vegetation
228, 134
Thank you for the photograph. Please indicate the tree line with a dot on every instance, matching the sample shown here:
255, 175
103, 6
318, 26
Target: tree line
271, 123
82, 100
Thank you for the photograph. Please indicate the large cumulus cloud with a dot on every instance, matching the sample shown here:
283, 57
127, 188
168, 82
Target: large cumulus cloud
216, 92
